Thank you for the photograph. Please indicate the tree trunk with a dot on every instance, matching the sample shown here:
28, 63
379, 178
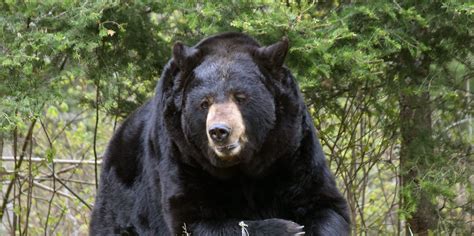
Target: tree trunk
1, 144
416, 152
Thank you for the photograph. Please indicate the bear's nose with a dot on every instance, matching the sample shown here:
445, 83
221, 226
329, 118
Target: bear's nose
219, 132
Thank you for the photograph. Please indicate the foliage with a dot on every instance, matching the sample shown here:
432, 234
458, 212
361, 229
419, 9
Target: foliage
71, 71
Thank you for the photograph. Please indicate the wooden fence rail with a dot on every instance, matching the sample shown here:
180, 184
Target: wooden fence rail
56, 161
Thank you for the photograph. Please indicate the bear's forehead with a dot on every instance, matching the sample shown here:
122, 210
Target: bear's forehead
226, 66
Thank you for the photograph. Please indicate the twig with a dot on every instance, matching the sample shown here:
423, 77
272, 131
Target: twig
30, 191
44, 187
95, 133
17, 168
58, 221
74, 119
50, 203
73, 193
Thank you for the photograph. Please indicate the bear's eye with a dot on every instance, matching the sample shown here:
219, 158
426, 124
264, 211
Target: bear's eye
205, 104
240, 98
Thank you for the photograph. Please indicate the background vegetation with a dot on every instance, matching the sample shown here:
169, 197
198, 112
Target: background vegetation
389, 84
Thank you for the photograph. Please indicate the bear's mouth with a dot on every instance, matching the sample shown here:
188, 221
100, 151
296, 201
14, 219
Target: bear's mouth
229, 150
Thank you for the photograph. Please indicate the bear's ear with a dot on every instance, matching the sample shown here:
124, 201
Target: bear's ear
274, 55
185, 57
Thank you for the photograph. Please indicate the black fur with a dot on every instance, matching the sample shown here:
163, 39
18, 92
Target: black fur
159, 172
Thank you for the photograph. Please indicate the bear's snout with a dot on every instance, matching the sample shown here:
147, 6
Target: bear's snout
225, 129
219, 132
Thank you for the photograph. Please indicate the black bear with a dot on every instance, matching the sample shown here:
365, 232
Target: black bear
225, 147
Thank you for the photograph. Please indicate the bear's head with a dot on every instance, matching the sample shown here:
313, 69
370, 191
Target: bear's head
232, 105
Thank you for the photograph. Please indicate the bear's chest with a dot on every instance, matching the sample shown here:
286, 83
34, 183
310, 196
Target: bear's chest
247, 200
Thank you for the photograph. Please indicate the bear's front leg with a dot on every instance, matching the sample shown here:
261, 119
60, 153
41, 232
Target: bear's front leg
270, 227
327, 222
181, 210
